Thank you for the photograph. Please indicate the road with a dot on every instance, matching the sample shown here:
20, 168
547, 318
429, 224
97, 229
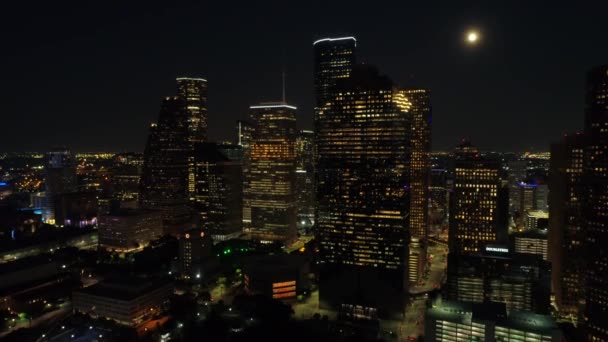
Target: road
437, 270
46, 319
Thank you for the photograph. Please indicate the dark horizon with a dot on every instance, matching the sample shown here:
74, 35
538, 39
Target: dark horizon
76, 72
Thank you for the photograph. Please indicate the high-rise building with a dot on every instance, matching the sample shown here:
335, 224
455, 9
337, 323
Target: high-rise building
527, 197
60, 179
521, 281
126, 172
536, 219
195, 254
164, 180
305, 174
478, 203
270, 178
420, 177
193, 95
516, 174
438, 194
334, 59
566, 234
218, 190
531, 241
363, 190
193, 92
595, 203
455, 321
244, 134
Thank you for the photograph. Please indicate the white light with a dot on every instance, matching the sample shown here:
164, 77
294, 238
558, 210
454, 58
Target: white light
190, 79
198, 276
334, 39
90, 327
63, 266
273, 106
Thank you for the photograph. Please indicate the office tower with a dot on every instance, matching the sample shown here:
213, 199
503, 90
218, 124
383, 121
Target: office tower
60, 178
77, 209
362, 189
218, 191
516, 174
420, 177
232, 152
193, 95
531, 241
305, 174
244, 133
527, 197
195, 247
193, 92
125, 229
454, 321
521, 281
270, 179
334, 59
126, 172
595, 203
478, 203
566, 235
164, 181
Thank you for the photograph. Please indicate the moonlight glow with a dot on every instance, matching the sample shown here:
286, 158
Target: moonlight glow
472, 37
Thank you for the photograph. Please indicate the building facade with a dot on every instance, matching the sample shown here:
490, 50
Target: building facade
363, 192
270, 178
454, 321
334, 59
125, 230
305, 177
478, 202
60, 178
595, 203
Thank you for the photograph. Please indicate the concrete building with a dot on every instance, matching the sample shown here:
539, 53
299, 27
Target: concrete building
128, 229
533, 241
126, 300
281, 277
455, 321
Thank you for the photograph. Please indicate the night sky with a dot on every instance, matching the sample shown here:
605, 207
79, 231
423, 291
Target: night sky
90, 76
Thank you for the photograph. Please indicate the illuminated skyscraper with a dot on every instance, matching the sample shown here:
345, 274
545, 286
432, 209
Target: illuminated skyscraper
244, 133
193, 91
334, 59
270, 179
595, 203
566, 235
478, 203
193, 94
60, 179
305, 191
164, 178
420, 177
362, 189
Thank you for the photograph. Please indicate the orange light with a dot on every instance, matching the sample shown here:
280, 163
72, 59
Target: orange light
187, 236
202, 234
283, 284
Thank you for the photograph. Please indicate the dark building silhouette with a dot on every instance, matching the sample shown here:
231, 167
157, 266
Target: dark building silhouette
270, 177
478, 202
521, 281
566, 235
595, 203
244, 134
363, 191
334, 59
305, 176
164, 180
218, 190
193, 92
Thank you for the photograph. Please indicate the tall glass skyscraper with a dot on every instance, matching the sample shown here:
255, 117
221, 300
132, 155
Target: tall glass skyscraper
193, 91
270, 178
479, 202
164, 181
420, 178
333, 60
363, 191
305, 171
595, 203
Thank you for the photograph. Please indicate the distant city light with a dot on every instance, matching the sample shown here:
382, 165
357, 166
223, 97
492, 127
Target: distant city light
473, 37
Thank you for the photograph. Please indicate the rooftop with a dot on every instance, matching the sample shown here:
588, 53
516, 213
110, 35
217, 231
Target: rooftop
126, 288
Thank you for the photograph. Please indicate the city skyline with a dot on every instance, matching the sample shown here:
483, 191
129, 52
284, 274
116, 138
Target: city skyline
123, 84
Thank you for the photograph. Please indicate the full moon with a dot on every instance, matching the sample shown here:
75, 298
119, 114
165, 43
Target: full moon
472, 37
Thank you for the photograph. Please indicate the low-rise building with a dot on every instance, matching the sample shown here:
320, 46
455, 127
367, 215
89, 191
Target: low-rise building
451, 321
128, 229
126, 300
280, 277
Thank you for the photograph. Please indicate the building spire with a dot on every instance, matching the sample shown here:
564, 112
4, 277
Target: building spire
283, 76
